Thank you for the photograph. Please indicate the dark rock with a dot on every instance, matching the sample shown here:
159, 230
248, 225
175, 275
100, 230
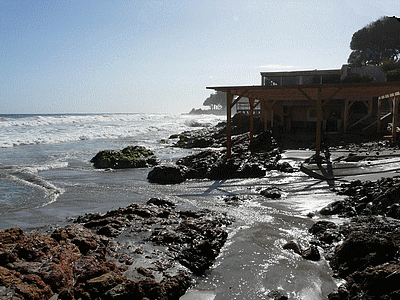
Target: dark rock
394, 211
369, 253
248, 160
77, 263
311, 253
251, 170
199, 164
233, 200
271, 192
161, 202
366, 198
276, 295
339, 207
284, 167
360, 250
167, 175
225, 168
378, 282
326, 232
292, 245
263, 142
310, 215
129, 157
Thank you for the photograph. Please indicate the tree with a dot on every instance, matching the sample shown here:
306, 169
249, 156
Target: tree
377, 42
216, 101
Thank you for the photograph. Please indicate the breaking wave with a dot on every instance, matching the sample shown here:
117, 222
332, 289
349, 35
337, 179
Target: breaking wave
16, 130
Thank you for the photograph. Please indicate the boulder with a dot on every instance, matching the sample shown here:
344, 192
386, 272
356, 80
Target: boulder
263, 142
368, 198
378, 282
167, 174
311, 253
394, 211
362, 249
129, 157
276, 295
271, 192
161, 202
292, 245
326, 232
340, 207
199, 164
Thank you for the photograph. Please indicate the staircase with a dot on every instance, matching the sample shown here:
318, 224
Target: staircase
369, 122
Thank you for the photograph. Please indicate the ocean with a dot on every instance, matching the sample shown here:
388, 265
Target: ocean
46, 179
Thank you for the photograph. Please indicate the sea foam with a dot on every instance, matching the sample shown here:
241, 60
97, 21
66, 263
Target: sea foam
53, 129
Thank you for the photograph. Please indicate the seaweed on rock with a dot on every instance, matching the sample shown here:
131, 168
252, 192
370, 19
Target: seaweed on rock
129, 157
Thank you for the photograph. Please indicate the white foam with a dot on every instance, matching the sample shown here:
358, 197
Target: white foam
53, 129
31, 180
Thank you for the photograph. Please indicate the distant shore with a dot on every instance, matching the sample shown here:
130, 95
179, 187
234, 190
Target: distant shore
199, 111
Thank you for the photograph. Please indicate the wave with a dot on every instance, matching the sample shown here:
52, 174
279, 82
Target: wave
28, 177
53, 129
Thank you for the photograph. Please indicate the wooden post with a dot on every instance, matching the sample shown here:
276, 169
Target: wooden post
264, 113
229, 98
346, 116
272, 118
378, 124
370, 106
319, 123
395, 116
251, 102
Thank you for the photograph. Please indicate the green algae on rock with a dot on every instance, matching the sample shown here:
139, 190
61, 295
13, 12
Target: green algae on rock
129, 157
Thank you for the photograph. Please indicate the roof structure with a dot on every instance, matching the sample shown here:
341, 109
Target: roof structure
310, 92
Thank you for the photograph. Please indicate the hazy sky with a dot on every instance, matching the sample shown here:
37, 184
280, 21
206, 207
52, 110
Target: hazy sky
60, 56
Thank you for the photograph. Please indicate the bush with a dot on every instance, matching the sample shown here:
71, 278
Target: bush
357, 78
393, 75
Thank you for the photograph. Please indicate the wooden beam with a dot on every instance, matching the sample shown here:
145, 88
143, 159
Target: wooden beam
378, 124
264, 113
238, 98
319, 123
272, 118
346, 116
395, 116
251, 102
306, 95
229, 98
332, 95
256, 103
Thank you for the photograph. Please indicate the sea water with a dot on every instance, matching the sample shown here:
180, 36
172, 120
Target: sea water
46, 179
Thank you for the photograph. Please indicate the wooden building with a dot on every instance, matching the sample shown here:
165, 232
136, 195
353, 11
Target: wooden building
310, 101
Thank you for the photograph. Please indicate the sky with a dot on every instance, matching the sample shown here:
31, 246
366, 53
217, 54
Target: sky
129, 56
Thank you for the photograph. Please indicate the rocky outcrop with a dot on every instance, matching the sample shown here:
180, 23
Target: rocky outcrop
137, 252
129, 157
271, 192
277, 295
365, 251
368, 253
378, 282
311, 253
248, 160
167, 175
381, 197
